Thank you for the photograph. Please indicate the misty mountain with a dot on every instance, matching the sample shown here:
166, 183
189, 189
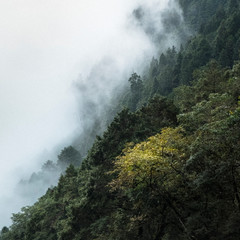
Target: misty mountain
94, 114
49, 174
163, 26
157, 156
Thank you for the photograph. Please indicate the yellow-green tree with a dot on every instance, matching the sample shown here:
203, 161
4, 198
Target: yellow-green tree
151, 174
158, 159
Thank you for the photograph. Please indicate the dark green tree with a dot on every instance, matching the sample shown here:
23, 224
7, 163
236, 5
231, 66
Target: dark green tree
136, 86
69, 155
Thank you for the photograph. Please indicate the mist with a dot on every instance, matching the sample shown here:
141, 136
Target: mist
62, 63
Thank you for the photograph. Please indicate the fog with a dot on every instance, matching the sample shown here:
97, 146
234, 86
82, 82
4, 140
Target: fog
62, 62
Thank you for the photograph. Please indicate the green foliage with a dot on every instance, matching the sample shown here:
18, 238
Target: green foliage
68, 155
167, 169
136, 90
150, 161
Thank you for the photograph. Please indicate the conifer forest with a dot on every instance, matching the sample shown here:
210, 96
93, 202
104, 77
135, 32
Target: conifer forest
167, 164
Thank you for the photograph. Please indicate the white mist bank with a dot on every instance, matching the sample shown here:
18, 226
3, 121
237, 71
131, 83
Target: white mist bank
44, 47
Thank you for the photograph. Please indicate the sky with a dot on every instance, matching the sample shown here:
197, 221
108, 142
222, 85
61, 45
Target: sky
46, 47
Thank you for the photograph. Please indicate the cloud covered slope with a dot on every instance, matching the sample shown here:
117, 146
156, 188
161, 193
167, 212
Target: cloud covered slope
47, 49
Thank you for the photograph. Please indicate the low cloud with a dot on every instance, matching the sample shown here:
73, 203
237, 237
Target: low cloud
62, 63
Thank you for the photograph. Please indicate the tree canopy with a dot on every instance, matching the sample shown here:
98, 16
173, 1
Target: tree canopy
168, 166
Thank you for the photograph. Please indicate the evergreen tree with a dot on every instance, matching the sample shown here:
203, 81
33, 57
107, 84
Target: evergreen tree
68, 155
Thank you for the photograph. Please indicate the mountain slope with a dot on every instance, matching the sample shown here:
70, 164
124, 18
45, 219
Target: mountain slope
169, 168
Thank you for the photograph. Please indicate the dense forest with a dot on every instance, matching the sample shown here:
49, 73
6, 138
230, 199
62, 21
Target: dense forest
168, 166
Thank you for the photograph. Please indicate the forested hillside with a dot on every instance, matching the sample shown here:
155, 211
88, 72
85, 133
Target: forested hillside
167, 167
